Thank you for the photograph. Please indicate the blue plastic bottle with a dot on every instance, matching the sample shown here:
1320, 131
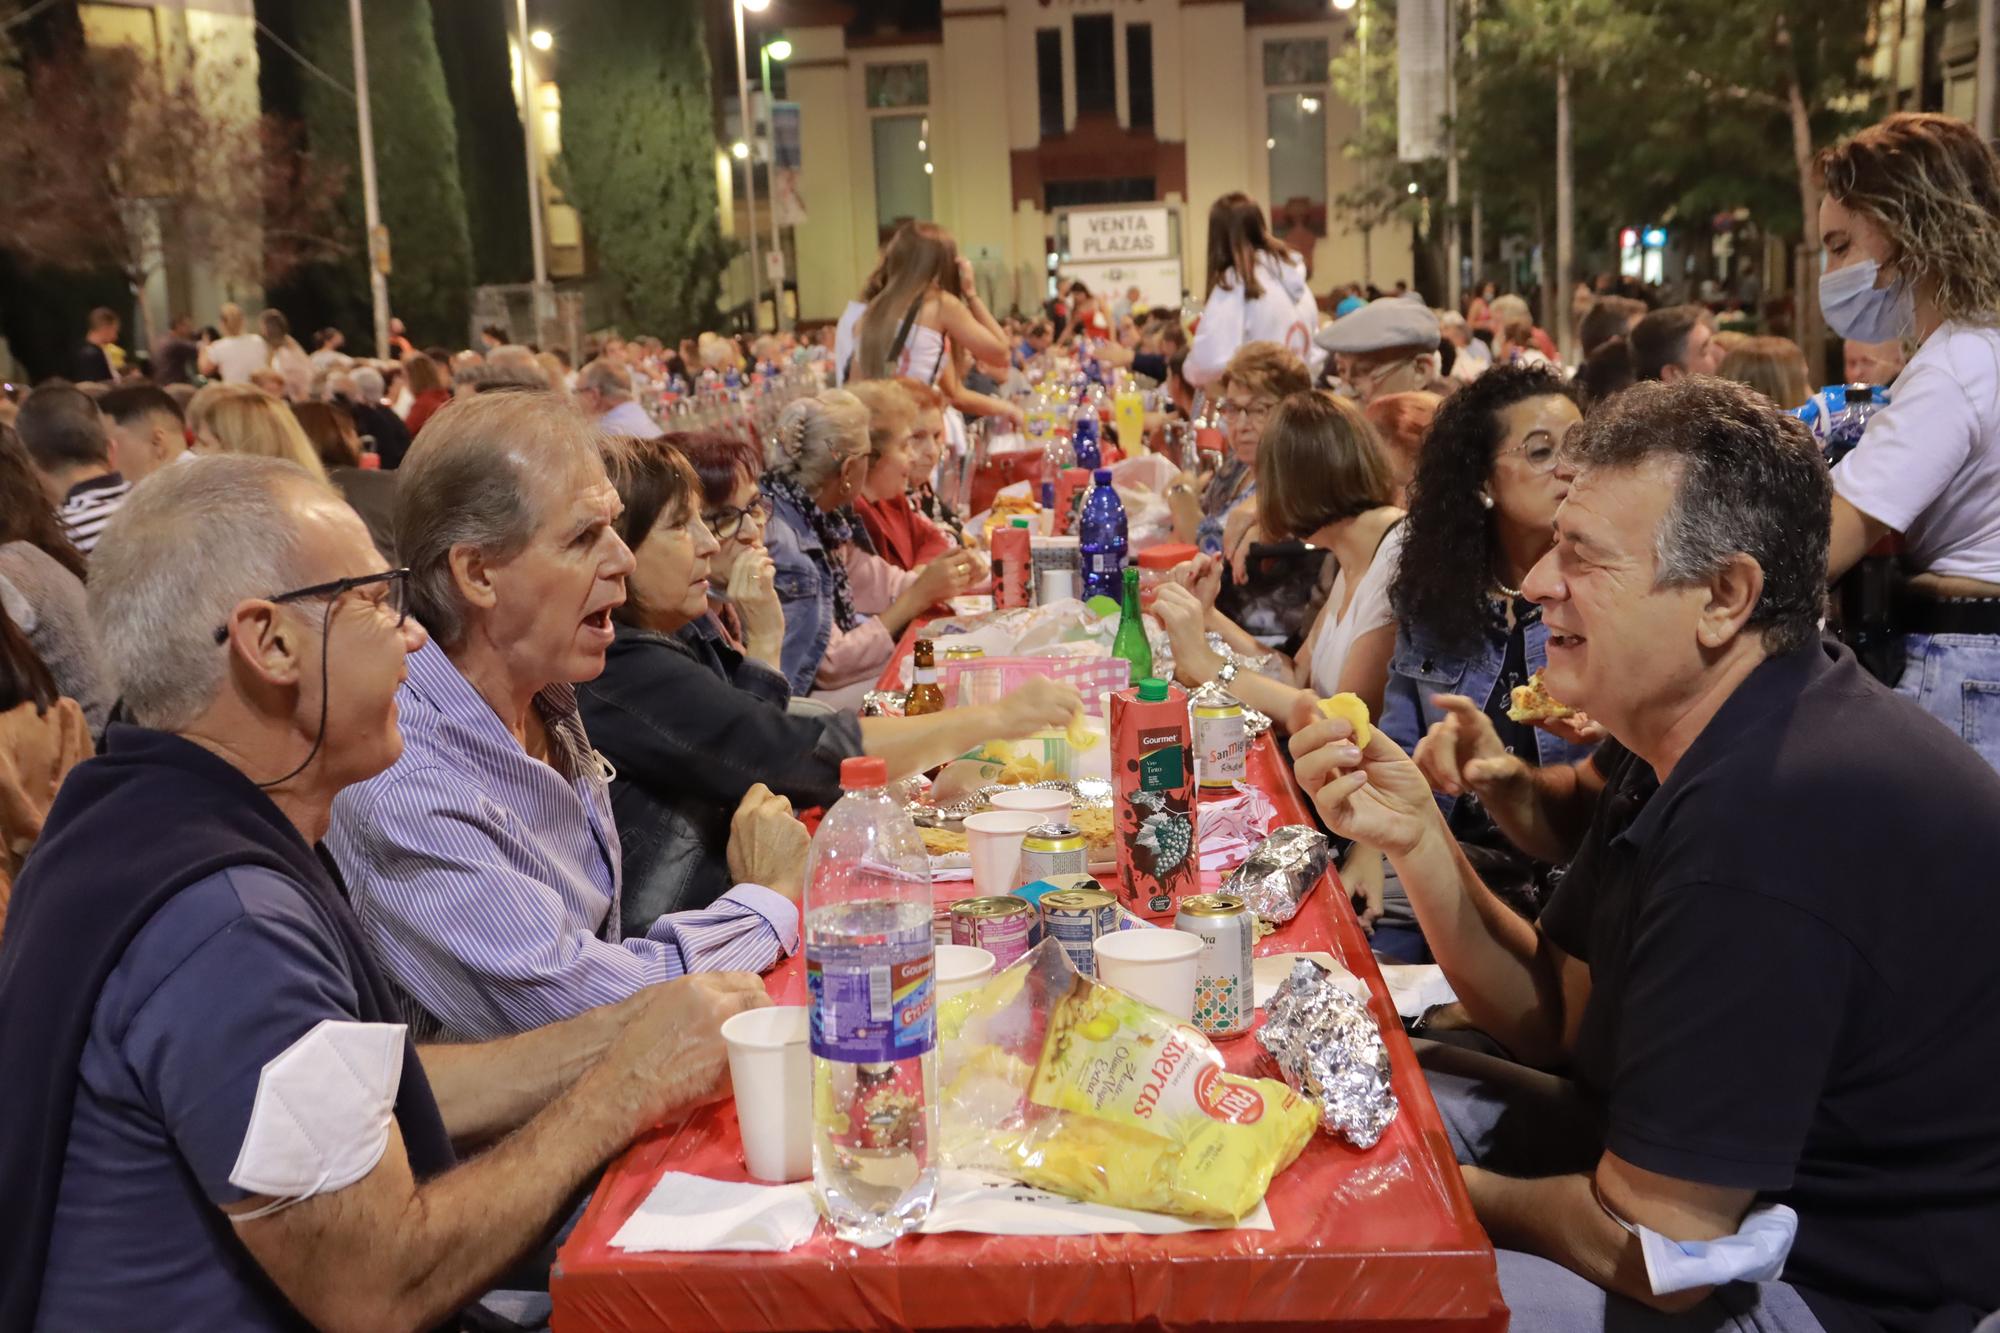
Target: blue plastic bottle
1084, 435
1102, 539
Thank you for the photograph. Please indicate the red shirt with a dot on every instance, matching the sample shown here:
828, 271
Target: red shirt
428, 402
902, 536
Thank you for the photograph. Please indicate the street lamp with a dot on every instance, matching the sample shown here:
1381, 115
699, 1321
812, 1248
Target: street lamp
779, 50
1343, 5
531, 150
739, 150
750, 172
542, 40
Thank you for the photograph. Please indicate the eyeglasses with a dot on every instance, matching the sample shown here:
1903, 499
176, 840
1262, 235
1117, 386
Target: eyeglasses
395, 597
1256, 411
726, 522
1539, 449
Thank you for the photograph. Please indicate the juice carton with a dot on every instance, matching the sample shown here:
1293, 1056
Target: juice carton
1012, 564
1071, 487
1153, 799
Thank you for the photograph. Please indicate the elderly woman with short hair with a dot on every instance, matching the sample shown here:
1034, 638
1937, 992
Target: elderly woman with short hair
844, 604
485, 863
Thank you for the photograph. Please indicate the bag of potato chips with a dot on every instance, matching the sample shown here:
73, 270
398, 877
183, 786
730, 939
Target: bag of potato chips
1074, 1087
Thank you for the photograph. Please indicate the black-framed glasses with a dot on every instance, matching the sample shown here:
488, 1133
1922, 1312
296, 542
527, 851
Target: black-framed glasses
395, 597
727, 522
1257, 411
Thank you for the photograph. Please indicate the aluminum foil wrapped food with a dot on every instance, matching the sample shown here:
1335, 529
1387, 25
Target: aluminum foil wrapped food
1328, 1047
1280, 873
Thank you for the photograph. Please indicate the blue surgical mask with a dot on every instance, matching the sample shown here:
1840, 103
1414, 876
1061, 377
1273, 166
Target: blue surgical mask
1856, 308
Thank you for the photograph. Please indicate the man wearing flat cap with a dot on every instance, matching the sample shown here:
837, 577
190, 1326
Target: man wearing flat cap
1388, 346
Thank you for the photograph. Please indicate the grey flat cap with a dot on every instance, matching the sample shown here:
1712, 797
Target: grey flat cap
1385, 323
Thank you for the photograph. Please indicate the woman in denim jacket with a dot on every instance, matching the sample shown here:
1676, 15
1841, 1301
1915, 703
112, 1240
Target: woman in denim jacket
845, 606
1481, 508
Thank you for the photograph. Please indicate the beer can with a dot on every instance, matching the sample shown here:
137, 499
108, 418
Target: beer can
1077, 918
1224, 1001
1003, 926
963, 652
1050, 850
1221, 745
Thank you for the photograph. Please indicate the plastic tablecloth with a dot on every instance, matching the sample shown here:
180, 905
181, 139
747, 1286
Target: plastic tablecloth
1384, 1238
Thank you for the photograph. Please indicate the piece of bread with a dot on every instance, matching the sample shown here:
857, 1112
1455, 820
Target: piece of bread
1532, 703
1350, 707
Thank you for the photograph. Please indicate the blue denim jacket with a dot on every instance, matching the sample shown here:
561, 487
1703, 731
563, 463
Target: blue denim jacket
803, 576
1419, 672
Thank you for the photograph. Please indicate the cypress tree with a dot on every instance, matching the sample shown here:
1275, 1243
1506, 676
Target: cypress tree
472, 42
416, 160
639, 147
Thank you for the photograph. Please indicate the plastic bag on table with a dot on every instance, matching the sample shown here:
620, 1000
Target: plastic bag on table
1050, 1078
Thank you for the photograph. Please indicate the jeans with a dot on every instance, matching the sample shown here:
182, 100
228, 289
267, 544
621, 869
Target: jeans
1956, 679
1523, 1122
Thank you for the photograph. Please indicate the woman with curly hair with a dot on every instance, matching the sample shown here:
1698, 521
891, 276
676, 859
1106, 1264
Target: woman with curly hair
1911, 226
1482, 505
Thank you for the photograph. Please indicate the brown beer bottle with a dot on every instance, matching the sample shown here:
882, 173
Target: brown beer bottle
925, 696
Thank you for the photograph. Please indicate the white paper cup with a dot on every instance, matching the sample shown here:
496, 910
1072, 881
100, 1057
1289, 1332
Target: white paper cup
1048, 802
960, 968
993, 841
770, 1063
1156, 966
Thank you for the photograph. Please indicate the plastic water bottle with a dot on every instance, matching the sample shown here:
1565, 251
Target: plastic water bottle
1102, 541
874, 1016
1084, 435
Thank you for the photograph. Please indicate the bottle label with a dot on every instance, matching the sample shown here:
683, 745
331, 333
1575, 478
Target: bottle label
926, 675
872, 1000
1110, 561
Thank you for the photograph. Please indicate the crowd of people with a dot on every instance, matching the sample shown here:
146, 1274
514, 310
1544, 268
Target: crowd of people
400, 760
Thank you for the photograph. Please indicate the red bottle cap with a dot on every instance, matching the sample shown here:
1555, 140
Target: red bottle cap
863, 770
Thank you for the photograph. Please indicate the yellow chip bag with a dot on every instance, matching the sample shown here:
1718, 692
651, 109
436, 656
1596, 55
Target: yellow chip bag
1122, 1105
1350, 707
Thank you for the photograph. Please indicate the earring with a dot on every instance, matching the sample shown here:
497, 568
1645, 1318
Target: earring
1485, 500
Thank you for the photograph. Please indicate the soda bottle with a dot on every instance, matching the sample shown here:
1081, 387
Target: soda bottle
1102, 539
1130, 642
874, 1020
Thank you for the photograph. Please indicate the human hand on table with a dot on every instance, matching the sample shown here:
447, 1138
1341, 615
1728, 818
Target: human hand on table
1186, 623
767, 843
669, 1054
1040, 704
1378, 796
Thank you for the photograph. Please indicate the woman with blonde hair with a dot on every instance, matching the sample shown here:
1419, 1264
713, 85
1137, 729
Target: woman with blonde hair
1911, 225
1774, 367
243, 420
902, 536
285, 356
920, 300
844, 605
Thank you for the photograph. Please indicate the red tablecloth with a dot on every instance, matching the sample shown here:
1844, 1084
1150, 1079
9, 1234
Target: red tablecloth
1383, 1238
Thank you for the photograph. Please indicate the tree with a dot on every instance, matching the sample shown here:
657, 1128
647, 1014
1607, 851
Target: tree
416, 160
472, 44
111, 160
639, 155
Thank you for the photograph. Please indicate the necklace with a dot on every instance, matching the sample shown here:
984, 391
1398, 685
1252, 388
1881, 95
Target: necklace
1512, 593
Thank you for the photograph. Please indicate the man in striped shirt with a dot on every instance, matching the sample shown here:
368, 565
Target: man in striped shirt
70, 448
484, 864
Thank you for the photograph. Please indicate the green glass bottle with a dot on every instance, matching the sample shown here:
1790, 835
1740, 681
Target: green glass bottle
1130, 642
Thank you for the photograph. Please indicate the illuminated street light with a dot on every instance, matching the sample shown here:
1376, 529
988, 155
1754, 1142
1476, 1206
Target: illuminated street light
927, 168
1309, 105
1413, 187
1343, 5
541, 39
756, 6
739, 150
1270, 143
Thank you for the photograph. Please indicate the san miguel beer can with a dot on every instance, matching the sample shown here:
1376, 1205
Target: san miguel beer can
1224, 1002
1221, 744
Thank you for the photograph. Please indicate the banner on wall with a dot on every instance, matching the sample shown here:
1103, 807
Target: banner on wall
1422, 71
788, 205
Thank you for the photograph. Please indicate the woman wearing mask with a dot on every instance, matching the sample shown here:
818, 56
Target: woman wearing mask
1257, 292
696, 730
1911, 225
1482, 506
844, 605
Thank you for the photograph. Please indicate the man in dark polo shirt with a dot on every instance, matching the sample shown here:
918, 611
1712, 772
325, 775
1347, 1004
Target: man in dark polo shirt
1766, 981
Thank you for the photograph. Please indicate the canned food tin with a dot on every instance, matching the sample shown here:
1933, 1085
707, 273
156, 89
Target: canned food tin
1224, 1001
1221, 745
1078, 918
1003, 926
1050, 850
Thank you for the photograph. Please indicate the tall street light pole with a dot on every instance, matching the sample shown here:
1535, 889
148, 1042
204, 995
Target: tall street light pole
750, 158
780, 50
371, 206
534, 163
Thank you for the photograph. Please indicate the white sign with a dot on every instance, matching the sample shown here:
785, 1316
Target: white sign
1119, 235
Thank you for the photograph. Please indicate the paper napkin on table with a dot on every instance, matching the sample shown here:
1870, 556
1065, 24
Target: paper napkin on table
686, 1212
1231, 828
996, 1206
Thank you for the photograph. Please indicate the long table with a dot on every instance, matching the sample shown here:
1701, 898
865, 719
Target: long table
1384, 1238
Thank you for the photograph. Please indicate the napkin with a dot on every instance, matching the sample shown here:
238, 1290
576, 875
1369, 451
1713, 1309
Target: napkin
1232, 827
996, 1206
687, 1212
1415, 987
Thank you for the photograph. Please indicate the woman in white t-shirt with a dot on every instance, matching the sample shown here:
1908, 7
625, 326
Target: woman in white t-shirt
232, 357
1321, 478
1911, 226
1257, 292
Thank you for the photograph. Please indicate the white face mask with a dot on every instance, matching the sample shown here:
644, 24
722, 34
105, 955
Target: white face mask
1856, 308
322, 1114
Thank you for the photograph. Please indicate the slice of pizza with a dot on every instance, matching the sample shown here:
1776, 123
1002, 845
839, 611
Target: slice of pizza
1532, 703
